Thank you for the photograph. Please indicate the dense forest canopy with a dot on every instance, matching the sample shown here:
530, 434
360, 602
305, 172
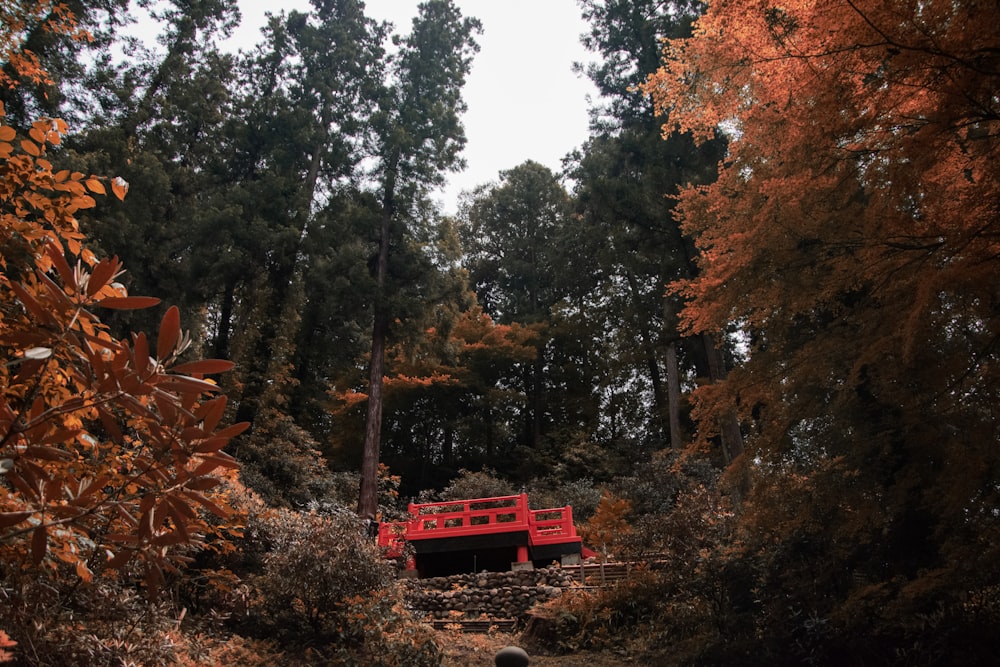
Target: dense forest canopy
751, 327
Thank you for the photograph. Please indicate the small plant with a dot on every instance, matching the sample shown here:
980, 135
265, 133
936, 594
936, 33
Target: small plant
609, 526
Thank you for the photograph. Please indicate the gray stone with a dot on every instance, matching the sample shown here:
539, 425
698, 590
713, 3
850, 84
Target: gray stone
511, 656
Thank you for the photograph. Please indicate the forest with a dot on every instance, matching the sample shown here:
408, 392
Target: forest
749, 331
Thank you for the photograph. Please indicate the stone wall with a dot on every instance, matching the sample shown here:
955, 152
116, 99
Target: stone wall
494, 594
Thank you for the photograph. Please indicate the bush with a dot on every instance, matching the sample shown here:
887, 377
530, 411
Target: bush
314, 565
580, 494
107, 622
324, 588
483, 484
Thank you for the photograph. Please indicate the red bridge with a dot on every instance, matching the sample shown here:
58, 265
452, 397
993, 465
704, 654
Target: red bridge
482, 534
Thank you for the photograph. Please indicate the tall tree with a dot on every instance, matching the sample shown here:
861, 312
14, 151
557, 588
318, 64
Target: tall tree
418, 138
852, 236
313, 84
156, 120
513, 251
625, 175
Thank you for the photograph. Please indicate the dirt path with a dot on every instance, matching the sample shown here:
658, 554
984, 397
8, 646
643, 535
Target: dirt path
475, 650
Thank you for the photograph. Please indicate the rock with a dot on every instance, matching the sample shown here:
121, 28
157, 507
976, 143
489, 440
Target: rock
511, 656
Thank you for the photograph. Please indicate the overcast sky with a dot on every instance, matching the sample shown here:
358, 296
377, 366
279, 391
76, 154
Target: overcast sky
525, 102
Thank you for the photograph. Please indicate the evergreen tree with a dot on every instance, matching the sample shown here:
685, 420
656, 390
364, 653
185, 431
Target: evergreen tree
625, 175
309, 90
511, 237
417, 139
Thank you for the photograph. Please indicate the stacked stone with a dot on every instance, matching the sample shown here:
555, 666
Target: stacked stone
493, 594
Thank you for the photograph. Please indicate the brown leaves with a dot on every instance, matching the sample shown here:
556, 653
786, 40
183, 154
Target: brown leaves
111, 450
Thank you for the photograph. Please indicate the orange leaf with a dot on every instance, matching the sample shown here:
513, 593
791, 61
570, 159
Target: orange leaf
7, 133
129, 302
217, 510
100, 276
170, 330
83, 572
141, 355
211, 445
28, 300
202, 483
204, 367
120, 559
212, 461
55, 253
233, 431
8, 519
30, 147
95, 186
211, 412
47, 453
120, 187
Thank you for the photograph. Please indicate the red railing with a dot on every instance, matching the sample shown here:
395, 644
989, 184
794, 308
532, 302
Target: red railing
480, 516
551, 526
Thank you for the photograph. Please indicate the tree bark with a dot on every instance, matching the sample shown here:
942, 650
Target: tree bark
368, 492
674, 396
729, 425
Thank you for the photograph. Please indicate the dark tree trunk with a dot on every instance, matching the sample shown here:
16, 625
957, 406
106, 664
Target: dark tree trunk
674, 396
368, 493
729, 426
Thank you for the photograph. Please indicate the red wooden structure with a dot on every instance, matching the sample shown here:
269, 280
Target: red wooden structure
481, 534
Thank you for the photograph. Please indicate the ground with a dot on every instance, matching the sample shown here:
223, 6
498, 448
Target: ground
478, 650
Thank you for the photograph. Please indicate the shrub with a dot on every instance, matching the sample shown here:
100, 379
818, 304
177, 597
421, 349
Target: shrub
106, 622
580, 494
483, 484
315, 565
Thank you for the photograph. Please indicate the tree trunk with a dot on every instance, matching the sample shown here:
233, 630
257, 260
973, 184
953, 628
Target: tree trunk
729, 425
652, 363
674, 396
368, 493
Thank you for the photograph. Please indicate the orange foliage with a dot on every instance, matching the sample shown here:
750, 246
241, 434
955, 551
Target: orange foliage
609, 525
6, 643
109, 448
855, 220
18, 17
474, 340
477, 332
853, 239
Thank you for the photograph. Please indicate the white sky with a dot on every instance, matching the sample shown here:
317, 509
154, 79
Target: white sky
524, 101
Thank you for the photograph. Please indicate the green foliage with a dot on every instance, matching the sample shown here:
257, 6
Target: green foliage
314, 566
479, 484
323, 587
281, 462
581, 494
